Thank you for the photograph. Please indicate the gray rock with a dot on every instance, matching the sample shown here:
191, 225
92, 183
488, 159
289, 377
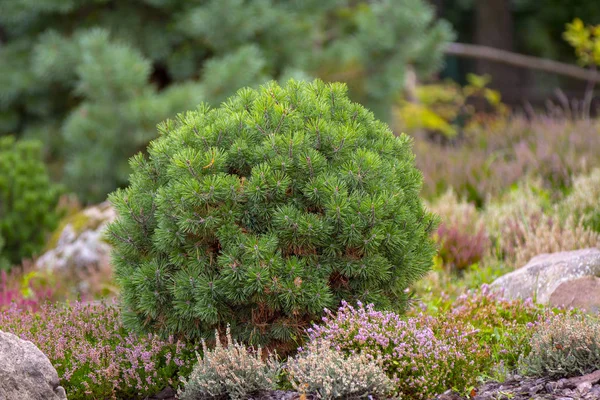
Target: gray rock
582, 293
25, 372
80, 243
543, 274
80, 248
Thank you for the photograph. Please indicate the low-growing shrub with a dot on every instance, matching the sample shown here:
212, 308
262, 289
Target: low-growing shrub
526, 200
491, 158
584, 201
564, 346
546, 234
28, 200
461, 235
262, 212
503, 327
524, 223
460, 248
95, 357
329, 374
230, 370
423, 356
27, 289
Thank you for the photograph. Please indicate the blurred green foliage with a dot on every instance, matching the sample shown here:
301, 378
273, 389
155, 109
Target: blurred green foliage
445, 109
585, 40
91, 78
28, 200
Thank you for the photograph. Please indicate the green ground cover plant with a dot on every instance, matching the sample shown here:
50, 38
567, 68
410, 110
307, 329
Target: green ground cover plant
355, 351
420, 362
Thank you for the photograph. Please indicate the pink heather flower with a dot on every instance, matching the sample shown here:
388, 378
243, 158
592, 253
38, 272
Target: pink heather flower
92, 353
420, 361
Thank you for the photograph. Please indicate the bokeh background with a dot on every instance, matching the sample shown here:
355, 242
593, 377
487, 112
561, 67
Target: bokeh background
84, 83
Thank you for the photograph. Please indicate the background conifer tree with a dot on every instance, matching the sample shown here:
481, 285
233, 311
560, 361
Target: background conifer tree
266, 210
91, 78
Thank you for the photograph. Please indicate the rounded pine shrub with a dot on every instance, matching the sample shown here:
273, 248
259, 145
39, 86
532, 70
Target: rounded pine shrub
266, 210
28, 200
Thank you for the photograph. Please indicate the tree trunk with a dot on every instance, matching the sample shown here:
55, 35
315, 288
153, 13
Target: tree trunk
494, 28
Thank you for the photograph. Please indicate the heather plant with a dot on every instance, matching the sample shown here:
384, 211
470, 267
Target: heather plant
423, 356
28, 286
95, 357
582, 202
461, 236
230, 370
527, 199
460, 248
492, 157
503, 327
523, 223
564, 346
23, 291
547, 234
261, 213
28, 200
327, 373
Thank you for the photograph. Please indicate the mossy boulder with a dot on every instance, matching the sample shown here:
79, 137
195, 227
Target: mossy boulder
78, 247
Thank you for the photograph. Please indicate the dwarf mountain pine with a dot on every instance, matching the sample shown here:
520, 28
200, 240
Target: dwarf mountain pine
262, 212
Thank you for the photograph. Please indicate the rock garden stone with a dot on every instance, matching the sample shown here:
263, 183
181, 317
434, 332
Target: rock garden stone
78, 245
25, 372
582, 293
543, 274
